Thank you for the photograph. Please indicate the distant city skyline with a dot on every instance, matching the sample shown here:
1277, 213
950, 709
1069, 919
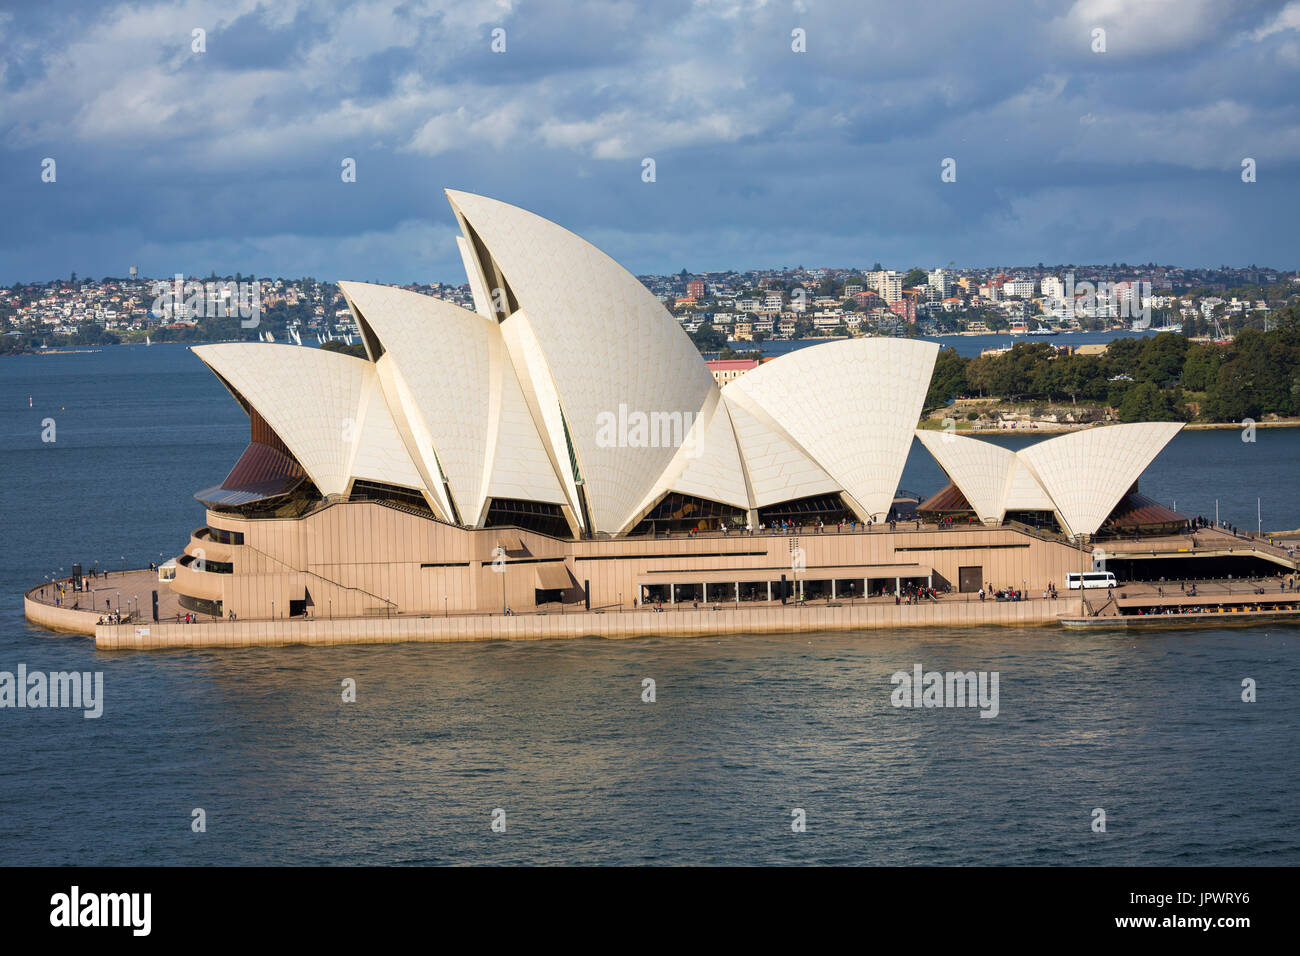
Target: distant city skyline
217, 136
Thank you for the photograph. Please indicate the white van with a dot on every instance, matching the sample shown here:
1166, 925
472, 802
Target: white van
1090, 579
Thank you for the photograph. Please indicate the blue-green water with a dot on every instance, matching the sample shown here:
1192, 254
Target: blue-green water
1150, 728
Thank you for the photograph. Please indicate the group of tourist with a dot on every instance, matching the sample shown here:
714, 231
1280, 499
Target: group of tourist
1012, 594
914, 595
947, 521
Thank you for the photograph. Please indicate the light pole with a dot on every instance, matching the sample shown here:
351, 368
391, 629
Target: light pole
620, 602
1081, 612
331, 600
445, 612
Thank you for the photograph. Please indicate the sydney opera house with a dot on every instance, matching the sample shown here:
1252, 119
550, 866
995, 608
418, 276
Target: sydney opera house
564, 444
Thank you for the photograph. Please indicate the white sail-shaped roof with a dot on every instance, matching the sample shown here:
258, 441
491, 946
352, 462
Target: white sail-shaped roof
1086, 473
313, 400
379, 453
980, 469
707, 465
712, 462
538, 388
609, 345
520, 467
443, 355
851, 406
1024, 493
522, 402
775, 467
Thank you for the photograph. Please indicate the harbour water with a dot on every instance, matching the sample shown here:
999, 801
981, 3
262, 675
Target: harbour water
1149, 727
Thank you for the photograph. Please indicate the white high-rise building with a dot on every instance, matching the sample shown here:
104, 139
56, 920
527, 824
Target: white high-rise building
889, 284
939, 281
1052, 288
1018, 288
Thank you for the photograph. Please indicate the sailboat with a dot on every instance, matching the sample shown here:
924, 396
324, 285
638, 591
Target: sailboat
146, 339
297, 339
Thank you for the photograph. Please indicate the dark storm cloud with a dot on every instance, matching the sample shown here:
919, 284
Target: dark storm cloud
229, 159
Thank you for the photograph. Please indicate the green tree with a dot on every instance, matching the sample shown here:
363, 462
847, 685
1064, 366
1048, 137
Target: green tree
1162, 358
915, 277
1201, 366
707, 338
1146, 402
948, 380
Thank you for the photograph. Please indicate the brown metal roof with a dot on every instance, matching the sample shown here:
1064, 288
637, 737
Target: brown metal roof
949, 500
1138, 511
262, 472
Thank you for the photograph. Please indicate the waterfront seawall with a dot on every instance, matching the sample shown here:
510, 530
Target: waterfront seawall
59, 618
557, 626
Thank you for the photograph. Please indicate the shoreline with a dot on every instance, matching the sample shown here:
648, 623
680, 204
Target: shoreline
1061, 430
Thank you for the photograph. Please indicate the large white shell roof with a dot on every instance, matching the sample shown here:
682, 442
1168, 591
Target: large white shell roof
611, 348
545, 391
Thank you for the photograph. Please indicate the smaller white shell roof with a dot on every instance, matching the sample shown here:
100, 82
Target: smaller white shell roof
443, 354
1080, 476
313, 400
980, 469
851, 406
1087, 472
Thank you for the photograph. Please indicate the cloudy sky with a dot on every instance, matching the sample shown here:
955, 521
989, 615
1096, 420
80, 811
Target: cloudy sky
230, 159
